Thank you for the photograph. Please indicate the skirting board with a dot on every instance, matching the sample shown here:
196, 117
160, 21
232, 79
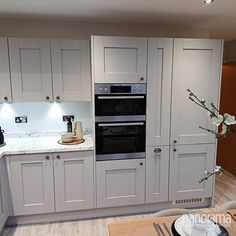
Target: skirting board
104, 212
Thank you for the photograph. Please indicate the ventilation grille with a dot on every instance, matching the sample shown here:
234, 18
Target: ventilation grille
187, 201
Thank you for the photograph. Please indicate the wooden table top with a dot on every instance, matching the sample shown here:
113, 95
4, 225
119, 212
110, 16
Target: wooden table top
144, 227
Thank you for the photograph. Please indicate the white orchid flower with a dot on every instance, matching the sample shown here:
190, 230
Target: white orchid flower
224, 129
229, 120
217, 120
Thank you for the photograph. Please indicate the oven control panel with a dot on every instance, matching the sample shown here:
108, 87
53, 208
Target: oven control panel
120, 88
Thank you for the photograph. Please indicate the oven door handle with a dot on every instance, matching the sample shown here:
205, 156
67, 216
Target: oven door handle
121, 124
120, 97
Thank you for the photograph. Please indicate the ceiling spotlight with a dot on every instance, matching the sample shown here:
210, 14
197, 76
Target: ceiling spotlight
208, 1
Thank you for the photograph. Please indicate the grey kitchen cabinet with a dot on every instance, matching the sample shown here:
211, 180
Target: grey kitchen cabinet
119, 59
197, 65
32, 184
5, 80
50, 70
52, 182
187, 166
120, 182
30, 64
159, 91
71, 70
6, 209
157, 174
174, 65
74, 180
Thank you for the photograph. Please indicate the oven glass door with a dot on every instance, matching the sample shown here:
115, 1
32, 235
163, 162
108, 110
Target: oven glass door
123, 140
120, 105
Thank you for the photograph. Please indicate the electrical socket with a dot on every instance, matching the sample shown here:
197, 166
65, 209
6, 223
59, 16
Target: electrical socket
21, 119
65, 118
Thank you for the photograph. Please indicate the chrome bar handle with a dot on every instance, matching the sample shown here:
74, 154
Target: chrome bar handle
121, 124
120, 97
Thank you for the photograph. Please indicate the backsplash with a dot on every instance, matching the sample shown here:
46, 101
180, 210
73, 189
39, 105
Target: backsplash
45, 118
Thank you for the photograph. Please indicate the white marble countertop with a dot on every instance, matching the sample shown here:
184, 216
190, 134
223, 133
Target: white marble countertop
15, 146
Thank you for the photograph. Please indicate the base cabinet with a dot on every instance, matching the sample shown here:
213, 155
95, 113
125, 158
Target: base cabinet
46, 183
74, 181
32, 184
120, 182
157, 174
5, 195
187, 166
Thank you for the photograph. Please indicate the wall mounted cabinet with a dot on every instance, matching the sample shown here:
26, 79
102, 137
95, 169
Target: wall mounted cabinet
5, 80
119, 59
30, 64
70, 174
50, 70
71, 70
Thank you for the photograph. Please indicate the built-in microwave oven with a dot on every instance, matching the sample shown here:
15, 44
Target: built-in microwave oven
120, 102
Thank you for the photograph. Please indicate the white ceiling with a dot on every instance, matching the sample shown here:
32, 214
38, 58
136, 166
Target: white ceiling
219, 17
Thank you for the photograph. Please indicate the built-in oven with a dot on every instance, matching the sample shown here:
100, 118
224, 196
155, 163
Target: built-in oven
120, 127
120, 140
120, 102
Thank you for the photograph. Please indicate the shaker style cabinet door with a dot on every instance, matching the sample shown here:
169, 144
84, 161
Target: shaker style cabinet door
196, 65
187, 166
159, 91
30, 64
5, 81
32, 184
74, 188
71, 70
5, 195
119, 59
120, 183
157, 174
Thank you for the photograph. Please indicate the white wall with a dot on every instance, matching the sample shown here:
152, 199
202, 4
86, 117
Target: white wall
43, 116
72, 29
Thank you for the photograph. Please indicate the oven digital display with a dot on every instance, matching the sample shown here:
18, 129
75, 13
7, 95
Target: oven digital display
120, 89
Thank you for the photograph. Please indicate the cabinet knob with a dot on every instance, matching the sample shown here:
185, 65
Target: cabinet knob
47, 98
175, 141
141, 164
142, 79
5, 99
58, 157
47, 157
157, 150
57, 98
174, 149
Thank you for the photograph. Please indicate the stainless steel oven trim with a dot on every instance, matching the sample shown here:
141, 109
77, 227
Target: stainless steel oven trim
110, 97
120, 118
121, 124
120, 156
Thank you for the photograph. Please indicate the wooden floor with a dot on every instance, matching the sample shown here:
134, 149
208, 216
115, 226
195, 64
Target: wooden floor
225, 191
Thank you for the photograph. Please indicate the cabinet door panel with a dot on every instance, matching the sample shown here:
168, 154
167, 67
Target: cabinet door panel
119, 59
120, 182
5, 88
157, 174
187, 166
71, 70
159, 91
32, 184
30, 69
197, 66
74, 181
